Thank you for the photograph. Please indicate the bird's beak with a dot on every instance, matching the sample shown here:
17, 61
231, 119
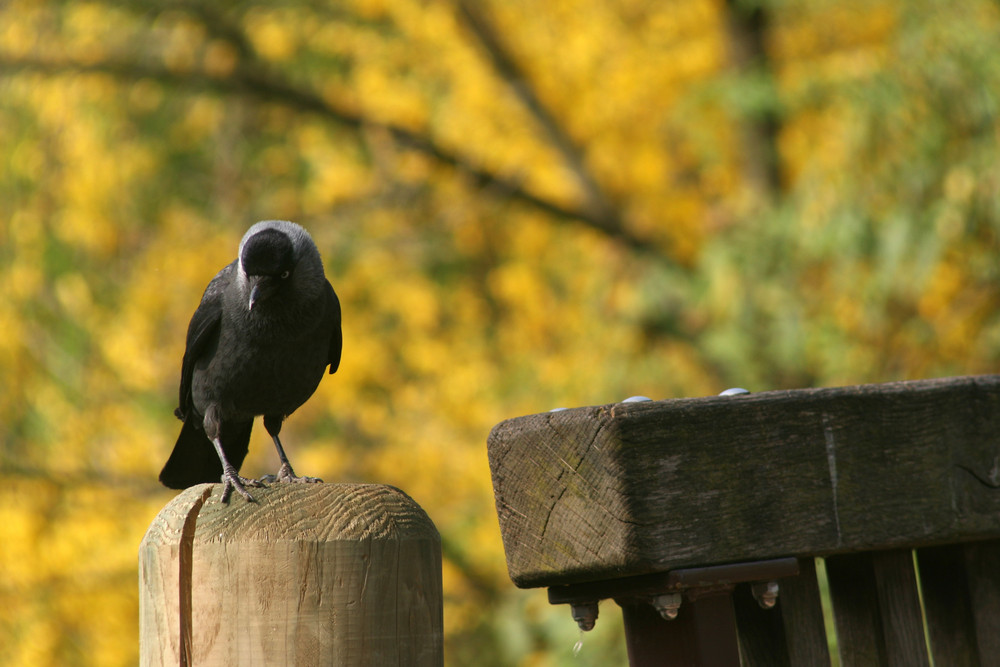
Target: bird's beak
254, 295
256, 290
261, 288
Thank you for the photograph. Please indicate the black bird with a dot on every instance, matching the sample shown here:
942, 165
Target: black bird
265, 331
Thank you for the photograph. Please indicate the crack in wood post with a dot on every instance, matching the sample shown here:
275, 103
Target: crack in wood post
185, 560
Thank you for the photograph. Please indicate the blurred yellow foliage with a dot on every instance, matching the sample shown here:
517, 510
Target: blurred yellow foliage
272, 32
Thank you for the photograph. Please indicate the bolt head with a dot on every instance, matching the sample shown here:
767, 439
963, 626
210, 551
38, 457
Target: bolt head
766, 594
585, 615
668, 605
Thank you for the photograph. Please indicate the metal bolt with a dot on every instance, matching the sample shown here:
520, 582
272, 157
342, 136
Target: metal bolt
585, 615
668, 604
734, 391
636, 399
766, 593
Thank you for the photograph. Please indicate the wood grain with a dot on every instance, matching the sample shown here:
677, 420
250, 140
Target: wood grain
345, 574
802, 614
761, 633
877, 609
632, 488
948, 606
860, 634
982, 566
899, 605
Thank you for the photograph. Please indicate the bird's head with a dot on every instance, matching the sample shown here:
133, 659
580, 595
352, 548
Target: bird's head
271, 254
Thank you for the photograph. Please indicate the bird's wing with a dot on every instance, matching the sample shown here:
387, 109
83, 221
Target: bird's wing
336, 335
202, 331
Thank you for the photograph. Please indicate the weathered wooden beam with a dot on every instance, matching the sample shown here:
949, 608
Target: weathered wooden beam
310, 574
632, 488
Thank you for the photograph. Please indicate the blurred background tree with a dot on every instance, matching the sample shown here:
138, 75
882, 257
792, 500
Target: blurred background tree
522, 206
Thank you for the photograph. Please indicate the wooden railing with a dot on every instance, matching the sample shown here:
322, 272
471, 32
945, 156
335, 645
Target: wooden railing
703, 519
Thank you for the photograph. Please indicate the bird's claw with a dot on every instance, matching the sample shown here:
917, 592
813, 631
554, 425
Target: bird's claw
286, 474
231, 480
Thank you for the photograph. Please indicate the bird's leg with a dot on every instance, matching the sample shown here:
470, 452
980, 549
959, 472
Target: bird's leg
285, 473
230, 478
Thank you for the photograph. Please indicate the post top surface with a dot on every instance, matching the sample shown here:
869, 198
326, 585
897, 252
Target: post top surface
293, 512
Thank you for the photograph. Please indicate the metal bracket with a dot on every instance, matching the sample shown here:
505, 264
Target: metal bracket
667, 590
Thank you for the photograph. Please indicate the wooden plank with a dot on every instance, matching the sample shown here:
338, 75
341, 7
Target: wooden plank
982, 566
633, 488
715, 630
345, 574
948, 605
877, 609
855, 610
702, 635
652, 641
899, 605
802, 614
761, 632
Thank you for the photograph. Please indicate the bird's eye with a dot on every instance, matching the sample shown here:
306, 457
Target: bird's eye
285, 274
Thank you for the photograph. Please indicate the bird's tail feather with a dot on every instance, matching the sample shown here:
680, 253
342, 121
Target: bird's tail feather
194, 460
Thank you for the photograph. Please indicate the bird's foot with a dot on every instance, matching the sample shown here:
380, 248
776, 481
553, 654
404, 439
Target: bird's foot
231, 480
286, 474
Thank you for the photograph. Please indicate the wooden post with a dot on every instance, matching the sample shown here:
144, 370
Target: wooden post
324, 574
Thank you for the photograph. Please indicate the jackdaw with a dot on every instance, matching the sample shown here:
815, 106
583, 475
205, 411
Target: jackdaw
267, 327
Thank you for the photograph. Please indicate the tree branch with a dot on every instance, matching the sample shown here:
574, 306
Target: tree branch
747, 26
218, 25
604, 213
255, 83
